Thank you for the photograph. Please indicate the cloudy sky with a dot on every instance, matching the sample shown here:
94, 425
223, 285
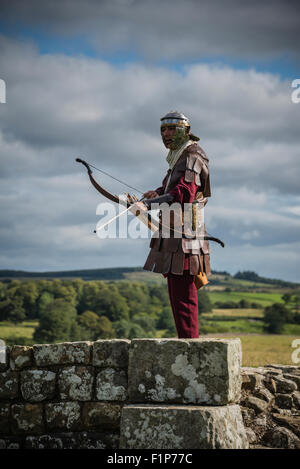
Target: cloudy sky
93, 78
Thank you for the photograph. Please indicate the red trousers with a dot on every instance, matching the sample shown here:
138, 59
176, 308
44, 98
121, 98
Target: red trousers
184, 302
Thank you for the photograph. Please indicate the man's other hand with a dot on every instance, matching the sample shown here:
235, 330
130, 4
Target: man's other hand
150, 195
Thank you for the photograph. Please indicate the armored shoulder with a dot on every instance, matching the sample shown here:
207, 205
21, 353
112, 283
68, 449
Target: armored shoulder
196, 163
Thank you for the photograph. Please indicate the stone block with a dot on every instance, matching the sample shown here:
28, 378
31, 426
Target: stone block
258, 405
284, 401
111, 353
9, 384
67, 353
292, 422
296, 399
182, 427
63, 415
283, 438
111, 385
264, 394
251, 379
285, 368
78, 440
10, 443
185, 371
4, 418
102, 415
76, 383
293, 377
21, 357
37, 385
284, 386
27, 418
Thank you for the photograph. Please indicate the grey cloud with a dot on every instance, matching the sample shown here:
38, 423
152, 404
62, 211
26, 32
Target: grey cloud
60, 107
171, 30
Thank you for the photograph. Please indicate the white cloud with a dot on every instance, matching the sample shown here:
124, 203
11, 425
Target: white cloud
60, 107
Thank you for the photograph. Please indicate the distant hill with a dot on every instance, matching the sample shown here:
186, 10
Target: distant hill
116, 273
253, 277
137, 273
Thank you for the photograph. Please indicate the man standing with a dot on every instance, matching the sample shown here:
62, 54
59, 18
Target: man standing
181, 259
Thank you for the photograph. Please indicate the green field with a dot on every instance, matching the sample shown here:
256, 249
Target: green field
234, 312
20, 334
265, 299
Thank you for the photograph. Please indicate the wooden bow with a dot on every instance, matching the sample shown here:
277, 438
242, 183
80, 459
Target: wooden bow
152, 224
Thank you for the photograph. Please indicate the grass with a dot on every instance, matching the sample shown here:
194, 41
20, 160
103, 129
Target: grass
17, 334
234, 312
265, 299
246, 326
265, 349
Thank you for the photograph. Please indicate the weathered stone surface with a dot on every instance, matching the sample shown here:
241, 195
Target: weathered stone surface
263, 394
252, 438
290, 422
37, 385
111, 385
260, 421
63, 415
10, 443
293, 377
250, 379
196, 371
296, 399
284, 386
270, 384
111, 353
283, 401
78, 440
21, 357
4, 418
258, 405
101, 415
27, 418
182, 427
9, 384
76, 383
285, 368
43, 442
283, 438
67, 353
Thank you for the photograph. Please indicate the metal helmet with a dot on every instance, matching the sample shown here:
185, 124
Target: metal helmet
179, 120
175, 118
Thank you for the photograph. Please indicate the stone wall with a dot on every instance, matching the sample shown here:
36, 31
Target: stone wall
144, 393
271, 405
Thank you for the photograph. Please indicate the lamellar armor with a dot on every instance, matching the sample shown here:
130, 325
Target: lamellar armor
191, 170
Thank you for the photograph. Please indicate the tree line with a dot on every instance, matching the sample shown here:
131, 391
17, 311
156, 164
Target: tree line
71, 310
279, 314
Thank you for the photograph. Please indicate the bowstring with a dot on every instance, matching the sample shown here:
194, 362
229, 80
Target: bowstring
116, 179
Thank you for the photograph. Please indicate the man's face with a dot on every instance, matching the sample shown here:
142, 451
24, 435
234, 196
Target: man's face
173, 137
167, 134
